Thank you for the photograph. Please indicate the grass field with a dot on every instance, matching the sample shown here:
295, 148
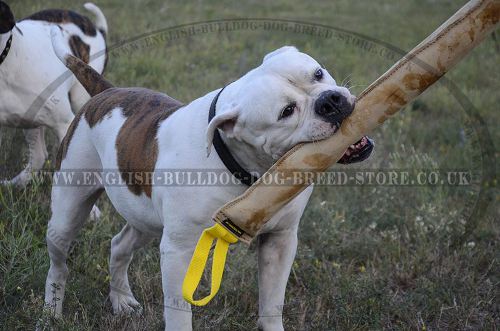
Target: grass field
370, 257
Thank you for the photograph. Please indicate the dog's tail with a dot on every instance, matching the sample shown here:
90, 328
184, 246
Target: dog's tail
91, 80
101, 23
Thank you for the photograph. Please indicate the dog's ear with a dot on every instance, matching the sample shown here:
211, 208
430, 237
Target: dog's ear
226, 122
7, 20
279, 51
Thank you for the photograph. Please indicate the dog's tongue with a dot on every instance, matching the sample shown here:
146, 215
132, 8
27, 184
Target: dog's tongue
358, 151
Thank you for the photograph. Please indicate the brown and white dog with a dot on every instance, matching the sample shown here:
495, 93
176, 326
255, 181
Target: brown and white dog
34, 93
288, 99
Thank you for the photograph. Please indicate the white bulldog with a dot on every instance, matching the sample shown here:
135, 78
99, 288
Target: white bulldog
288, 99
32, 95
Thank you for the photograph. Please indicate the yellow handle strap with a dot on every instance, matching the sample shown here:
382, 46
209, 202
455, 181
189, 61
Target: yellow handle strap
195, 270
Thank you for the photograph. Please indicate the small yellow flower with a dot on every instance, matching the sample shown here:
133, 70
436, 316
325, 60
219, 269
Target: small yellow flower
336, 265
362, 269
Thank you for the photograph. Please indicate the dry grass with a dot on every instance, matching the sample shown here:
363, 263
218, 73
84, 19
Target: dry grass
369, 258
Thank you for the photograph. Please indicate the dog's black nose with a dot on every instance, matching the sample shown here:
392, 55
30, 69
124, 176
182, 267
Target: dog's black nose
333, 106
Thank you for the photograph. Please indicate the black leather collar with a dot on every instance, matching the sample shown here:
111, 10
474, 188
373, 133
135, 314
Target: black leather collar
6, 49
227, 158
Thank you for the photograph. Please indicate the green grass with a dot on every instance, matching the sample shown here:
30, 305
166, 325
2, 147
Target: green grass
369, 257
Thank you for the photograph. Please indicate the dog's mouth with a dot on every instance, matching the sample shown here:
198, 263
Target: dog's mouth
358, 151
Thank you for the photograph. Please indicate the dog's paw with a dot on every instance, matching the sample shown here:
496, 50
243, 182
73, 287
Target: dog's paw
20, 181
125, 304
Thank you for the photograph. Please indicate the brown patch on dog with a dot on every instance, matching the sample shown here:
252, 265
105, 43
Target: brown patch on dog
129, 99
79, 49
318, 160
490, 15
63, 147
104, 103
91, 80
59, 16
136, 144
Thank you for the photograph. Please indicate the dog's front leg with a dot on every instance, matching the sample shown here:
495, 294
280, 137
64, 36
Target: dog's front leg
276, 254
176, 251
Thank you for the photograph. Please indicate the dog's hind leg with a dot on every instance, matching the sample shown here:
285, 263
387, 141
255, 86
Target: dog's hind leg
72, 201
62, 123
37, 156
70, 208
123, 246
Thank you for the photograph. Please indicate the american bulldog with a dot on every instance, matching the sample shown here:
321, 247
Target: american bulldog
290, 98
32, 93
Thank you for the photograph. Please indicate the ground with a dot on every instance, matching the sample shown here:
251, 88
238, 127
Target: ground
370, 257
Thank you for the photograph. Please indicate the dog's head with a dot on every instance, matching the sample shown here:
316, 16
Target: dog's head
290, 98
7, 20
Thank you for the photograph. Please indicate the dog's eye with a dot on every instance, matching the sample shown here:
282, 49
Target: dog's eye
288, 110
318, 75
